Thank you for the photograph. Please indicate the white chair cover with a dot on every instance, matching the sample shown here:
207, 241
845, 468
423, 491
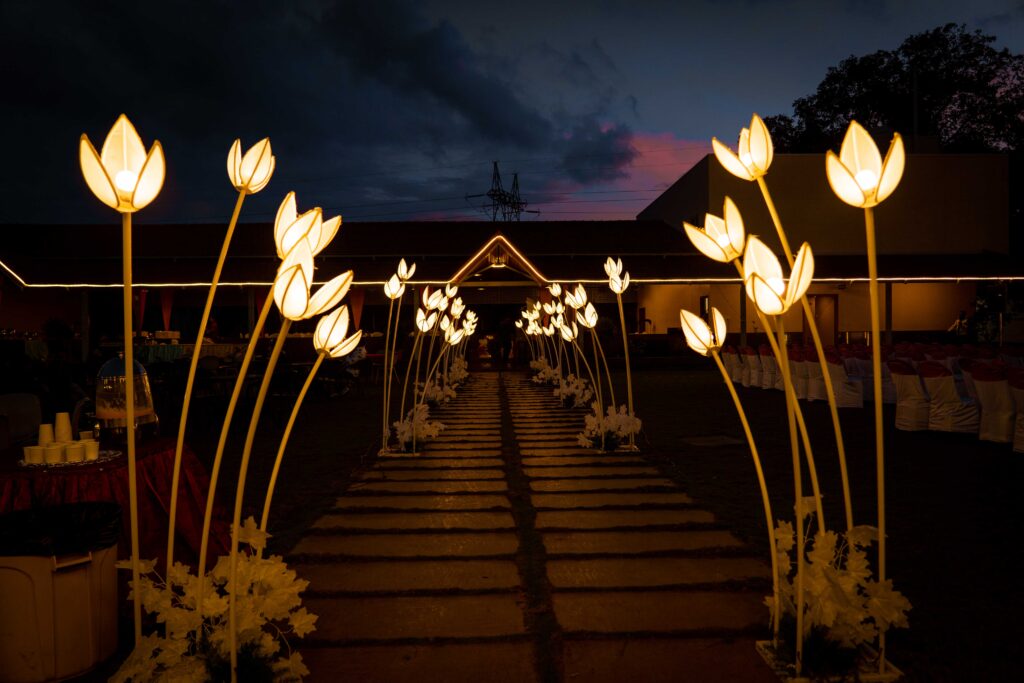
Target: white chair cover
769, 369
732, 364
815, 382
969, 383
947, 412
753, 362
744, 369
848, 394
997, 410
911, 403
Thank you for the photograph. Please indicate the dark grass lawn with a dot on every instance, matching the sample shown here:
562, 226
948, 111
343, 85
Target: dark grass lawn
954, 509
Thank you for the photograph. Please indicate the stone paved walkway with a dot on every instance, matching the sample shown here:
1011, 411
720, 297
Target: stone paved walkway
506, 553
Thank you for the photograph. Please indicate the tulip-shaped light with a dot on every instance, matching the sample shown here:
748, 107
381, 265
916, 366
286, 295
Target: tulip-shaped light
394, 287
290, 227
722, 239
613, 267
754, 154
617, 284
555, 289
699, 336
250, 172
858, 175
123, 176
763, 277
331, 330
405, 272
588, 317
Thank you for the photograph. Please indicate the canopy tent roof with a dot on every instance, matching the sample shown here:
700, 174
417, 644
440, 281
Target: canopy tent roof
74, 256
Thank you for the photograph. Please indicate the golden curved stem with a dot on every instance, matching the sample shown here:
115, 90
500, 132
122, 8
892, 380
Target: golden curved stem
179, 445
625, 350
604, 359
284, 439
243, 470
129, 397
386, 381
219, 455
876, 375
765, 501
826, 376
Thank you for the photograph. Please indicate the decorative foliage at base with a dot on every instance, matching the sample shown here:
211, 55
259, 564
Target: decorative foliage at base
436, 395
187, 647
615, 427
416, 422
574, 392
844, 608
458, 371
545, 373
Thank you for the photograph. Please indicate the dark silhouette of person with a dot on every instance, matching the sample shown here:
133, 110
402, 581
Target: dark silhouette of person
506, 336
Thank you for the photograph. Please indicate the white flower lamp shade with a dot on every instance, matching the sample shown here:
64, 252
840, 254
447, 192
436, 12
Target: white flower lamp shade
763, 280
405, 272
722, 239
123, 176
291, 286
329, 295
858, 175
251, 172
754, 153
394, 287
347, 346
331, 330
699, 336
290, 227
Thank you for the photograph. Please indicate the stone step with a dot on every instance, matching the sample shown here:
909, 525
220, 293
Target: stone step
427, 462
429, 486
543, 501
664, 660
562, 461
376, 521
582, 472
392, 618
653, 571
497, 662
448, 453
405, 575
636, 542
613, 519
566, 485
660, 611
411, 475
409, 545
459, 502
461, 445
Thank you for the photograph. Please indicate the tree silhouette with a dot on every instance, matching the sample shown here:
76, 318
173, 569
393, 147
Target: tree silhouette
946, 89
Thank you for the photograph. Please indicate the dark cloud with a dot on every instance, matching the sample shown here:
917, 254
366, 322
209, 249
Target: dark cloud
593, 153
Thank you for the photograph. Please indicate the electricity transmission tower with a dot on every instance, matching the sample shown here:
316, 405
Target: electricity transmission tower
505, 203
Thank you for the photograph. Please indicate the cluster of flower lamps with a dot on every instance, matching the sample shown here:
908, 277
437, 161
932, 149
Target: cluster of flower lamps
125, 177
860, 177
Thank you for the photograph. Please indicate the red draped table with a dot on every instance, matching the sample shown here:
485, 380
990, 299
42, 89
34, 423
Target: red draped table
22, 488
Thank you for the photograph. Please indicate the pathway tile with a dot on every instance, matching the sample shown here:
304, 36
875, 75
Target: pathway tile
430, 486
403, 575
593, 500
663, 611
449, 662
597, 484
442, 502
564, 460
577, 472
628, 542
665, 660
411, 475
416, 520
429, 462
449, 616
611, 519
652, 571
410, 545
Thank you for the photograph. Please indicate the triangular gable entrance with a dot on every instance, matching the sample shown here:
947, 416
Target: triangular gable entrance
498, 252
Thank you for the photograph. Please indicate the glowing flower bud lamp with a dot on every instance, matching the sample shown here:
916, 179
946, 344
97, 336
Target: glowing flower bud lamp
126, 178
249, 174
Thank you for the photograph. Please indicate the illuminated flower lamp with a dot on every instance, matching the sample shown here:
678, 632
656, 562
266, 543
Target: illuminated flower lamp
394, 288
707, 341
290, 228
424, 323
619, 283
860, 177
452, 336
126, 178
249, 173
772, 295
721, 239
751, 163
292, 297
588, 318
405, 273
330, 341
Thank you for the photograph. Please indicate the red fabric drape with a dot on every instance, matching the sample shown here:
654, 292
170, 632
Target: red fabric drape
356, 297
142, 309
166, 303
22, 489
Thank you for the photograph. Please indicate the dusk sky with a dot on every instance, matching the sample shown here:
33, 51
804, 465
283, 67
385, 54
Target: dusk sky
394, 110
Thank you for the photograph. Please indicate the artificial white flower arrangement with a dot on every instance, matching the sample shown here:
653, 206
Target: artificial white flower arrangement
190, 647
416, 422
458, 371
574, 392
435, 394
608, 431
545, 373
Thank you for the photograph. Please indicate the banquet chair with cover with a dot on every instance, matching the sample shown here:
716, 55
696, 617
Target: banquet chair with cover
848, 394
911, 399
1016, 380
815, 379
947, 411
769, 369
732, 363
751, 367
996, 402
